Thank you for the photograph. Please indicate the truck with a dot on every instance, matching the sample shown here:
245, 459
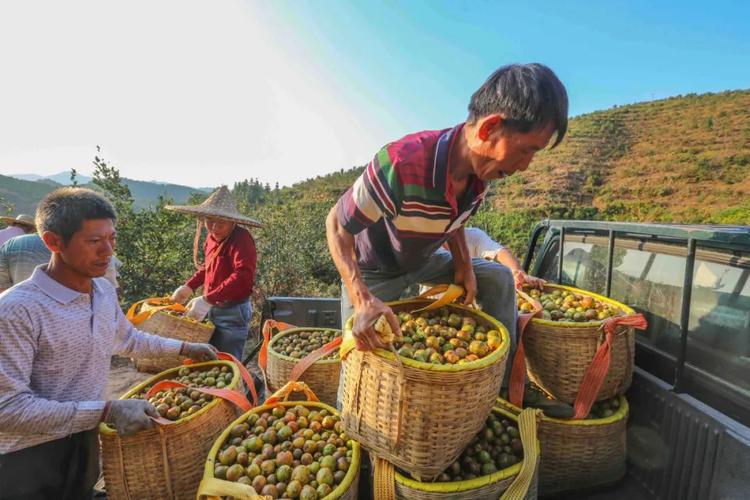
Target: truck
689, 425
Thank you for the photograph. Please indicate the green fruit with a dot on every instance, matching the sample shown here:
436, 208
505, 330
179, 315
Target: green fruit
228, 456
293, 489
220, 471
235, 472
308, 493
301, 474
253, 470
324, 476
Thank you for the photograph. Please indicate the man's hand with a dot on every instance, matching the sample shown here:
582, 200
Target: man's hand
129, 416
521, 278
197, 309
198, 352
181, 295
465, 277
365, 317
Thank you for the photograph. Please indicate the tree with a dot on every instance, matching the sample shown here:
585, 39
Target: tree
155, 246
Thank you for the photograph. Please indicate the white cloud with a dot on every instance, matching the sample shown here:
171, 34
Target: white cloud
192, 92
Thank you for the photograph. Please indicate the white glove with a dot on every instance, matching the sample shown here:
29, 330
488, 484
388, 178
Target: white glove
198, 308
181, 295
129, 416
198, 352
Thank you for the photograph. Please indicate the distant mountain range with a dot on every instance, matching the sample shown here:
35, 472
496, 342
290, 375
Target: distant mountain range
24, 191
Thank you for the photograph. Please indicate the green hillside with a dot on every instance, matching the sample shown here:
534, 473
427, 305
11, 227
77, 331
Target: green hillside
684, 159
24, 195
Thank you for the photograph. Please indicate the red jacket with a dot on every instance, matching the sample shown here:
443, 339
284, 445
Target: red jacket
230, 274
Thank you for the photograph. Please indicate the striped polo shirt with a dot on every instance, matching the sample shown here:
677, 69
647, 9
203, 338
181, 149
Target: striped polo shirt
402, 208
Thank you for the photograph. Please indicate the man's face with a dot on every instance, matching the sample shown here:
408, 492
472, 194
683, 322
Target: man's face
499, 151
89, 249
219, 228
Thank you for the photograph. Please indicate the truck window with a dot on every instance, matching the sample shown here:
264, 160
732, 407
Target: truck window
719, 327
646, 275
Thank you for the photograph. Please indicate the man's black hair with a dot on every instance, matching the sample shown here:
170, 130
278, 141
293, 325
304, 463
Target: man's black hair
63, 210
529, 95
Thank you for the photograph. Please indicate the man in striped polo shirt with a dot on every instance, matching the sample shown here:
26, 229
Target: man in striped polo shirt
419, 191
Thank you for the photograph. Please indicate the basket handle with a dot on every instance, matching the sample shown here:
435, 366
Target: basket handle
267, 331
227, 394
450, 293
303, 364
246, 377
518, 368
211, 488
385, 480
137, 318
290, 387
527, 421
597, 371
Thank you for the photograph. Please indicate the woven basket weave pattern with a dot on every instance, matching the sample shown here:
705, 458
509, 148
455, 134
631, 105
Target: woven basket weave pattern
322, 377
173, 327
165, 462
586, 453
559, 353
442, 410
491, 491
557, 359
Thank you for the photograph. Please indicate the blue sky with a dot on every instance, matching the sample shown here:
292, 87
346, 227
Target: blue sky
202, 93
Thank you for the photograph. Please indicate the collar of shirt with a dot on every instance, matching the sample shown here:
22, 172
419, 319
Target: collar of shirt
440, 168
55, 289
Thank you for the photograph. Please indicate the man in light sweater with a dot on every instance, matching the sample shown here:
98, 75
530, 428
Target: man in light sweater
59, 330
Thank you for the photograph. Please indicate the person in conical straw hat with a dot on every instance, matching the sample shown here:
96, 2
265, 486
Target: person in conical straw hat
227, 273
17, 226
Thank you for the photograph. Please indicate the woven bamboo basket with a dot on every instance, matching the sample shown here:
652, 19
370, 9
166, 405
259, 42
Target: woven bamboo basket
481, 488
559, 353
580, 453
322, 376
419, 416
212, 488
173, 327
165, 462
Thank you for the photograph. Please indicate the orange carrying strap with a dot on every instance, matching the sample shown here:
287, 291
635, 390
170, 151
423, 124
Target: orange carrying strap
270, 328
286, 391
227, 394
518, 368
597, 370
156, 304
225, 356
303, 364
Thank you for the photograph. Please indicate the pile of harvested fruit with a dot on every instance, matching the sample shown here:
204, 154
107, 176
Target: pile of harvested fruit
496, 447
218, 376
179, 402
536, 398
444, 337
564, 305
287, 452
176, 403
605, 408
299, 344
181, 315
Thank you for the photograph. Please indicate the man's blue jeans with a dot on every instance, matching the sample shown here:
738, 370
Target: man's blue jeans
232, 327
496, 292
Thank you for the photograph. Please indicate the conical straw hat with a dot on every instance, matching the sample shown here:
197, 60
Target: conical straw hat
220, 205
24, 219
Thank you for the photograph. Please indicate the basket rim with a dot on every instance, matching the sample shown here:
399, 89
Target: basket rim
107, 429
478, 364
470, 484
335, 360
207, 326
208, 469
574, 324
621, 413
